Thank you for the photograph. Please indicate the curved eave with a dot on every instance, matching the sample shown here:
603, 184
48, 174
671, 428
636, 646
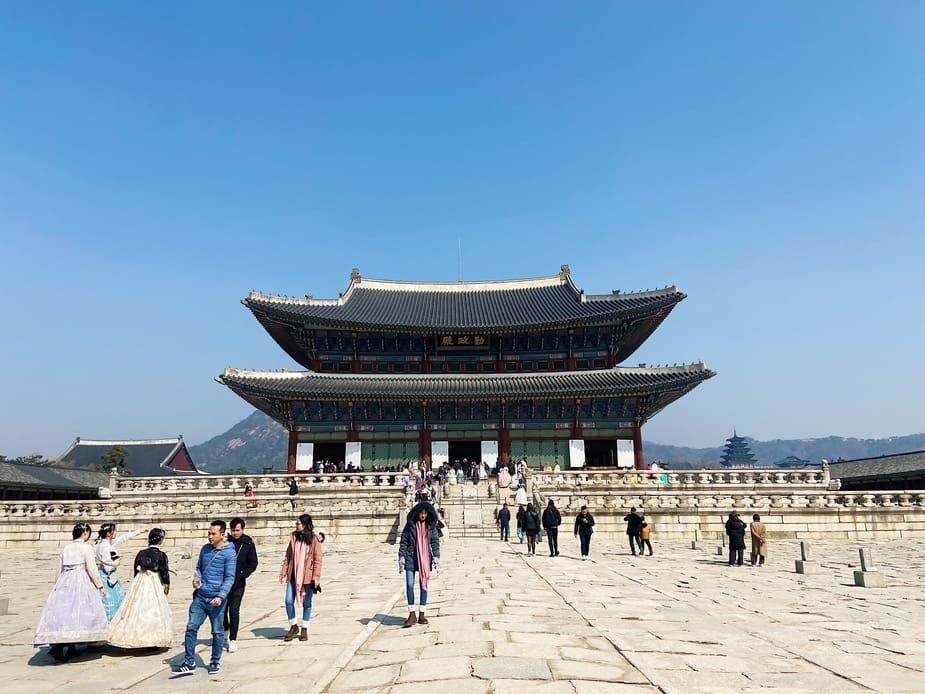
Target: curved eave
279, 325
581, 312
594, 383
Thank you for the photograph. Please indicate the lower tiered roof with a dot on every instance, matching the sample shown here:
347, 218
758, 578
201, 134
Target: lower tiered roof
619, 381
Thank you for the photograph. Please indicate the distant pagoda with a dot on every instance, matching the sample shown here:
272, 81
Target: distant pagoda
737, 453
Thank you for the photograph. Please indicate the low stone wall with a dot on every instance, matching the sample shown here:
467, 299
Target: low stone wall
346, 510
695, 505
365, 507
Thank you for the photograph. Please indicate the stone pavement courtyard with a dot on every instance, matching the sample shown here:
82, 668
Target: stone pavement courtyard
500, 621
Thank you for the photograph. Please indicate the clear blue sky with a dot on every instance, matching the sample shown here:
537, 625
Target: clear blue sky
158, 162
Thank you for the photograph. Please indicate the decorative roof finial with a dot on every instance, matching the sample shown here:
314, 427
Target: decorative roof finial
564, 272
355, 275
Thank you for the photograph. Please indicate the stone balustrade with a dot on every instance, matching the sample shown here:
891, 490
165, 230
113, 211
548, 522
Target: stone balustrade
207, 485
372, 506
682, 479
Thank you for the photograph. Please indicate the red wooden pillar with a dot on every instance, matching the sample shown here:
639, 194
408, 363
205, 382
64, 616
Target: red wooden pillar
504, 444
638, 459
424, 444
290, 458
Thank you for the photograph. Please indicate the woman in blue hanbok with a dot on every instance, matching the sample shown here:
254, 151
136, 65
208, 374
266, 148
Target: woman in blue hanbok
73, 612
107, 559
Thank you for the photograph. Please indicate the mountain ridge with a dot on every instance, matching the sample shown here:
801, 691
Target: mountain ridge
258, 442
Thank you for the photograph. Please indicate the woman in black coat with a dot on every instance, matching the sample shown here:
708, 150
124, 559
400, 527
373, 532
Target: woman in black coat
735, 529
419, 552
584, 526
531, 524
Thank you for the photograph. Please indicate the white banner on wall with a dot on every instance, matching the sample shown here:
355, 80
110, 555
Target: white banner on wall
576, 453
490, 453
625, 454
439, 453
304, 452
353, 453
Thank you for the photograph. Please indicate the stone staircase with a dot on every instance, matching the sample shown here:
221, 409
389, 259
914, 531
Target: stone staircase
471, 508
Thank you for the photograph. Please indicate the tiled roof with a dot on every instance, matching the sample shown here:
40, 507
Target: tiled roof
32, 476
619, 380
881, 466
499, 305
146, 458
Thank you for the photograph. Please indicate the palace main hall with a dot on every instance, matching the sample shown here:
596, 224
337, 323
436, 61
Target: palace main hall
441, 371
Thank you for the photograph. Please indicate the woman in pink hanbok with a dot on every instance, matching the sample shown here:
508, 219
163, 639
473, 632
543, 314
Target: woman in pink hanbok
74, 612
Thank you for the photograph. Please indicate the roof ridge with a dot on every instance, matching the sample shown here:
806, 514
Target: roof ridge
289, 375
128, 442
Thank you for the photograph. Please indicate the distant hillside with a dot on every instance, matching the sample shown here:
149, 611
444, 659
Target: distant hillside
254, 443
258, 442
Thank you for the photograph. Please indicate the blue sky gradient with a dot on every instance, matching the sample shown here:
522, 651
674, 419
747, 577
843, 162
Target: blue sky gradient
157, 163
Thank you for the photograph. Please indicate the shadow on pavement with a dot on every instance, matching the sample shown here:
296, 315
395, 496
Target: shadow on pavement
384, 619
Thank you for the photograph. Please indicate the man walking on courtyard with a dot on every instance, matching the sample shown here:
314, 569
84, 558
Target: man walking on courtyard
246, 564
504, 522
212, 579
552, 519
633, 526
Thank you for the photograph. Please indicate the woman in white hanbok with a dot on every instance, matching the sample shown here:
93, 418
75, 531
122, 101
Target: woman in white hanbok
74, 612
143, 620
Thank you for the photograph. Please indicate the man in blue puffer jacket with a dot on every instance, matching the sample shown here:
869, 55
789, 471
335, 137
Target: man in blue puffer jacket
213, 578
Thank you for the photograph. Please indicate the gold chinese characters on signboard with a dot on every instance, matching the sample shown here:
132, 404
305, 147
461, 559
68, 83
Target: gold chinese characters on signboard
469, 340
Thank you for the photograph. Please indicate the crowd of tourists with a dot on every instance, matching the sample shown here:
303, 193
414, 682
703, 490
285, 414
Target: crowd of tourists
90, 607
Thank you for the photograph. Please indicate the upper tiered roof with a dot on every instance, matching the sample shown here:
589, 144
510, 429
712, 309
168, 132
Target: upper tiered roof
500, 305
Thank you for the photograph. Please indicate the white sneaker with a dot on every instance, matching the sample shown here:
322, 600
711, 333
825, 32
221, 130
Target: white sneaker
232, 646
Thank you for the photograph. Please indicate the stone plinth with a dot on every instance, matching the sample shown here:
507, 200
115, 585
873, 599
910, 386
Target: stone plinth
804, 566
869, 579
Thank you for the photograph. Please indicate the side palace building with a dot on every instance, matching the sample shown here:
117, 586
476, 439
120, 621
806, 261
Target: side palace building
441, 371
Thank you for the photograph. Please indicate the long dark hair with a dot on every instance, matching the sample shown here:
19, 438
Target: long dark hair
105, 529
308, 529
156, 536
80, 529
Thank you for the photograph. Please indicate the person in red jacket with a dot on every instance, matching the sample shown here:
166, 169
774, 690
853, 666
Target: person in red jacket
301, 572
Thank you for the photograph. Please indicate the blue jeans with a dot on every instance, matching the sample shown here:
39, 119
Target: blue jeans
306, 602
505, 530
409, 586
199, 609
585, 539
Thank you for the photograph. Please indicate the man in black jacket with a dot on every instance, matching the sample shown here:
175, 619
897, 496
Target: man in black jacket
246, 565
504, 522
633, 528
552, 519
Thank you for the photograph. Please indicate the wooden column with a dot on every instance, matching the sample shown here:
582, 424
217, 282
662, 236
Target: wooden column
504, 436
504, 444
639, 460
424, 444
290, 458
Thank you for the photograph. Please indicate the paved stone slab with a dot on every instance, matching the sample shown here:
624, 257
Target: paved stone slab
511, 668
681, 621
